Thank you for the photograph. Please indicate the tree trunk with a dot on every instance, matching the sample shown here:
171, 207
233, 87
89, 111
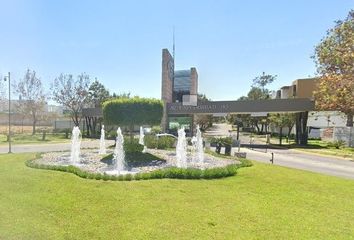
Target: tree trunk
94, 126
350, 120
87, 126
280, 135
289, 130
76, 120
34, 126
301, 128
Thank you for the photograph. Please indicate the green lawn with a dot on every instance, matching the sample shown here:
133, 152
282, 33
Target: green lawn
314, 146
34, 139
321, 147
261, 202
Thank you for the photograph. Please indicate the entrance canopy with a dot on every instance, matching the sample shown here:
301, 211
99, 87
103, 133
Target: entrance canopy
243, 106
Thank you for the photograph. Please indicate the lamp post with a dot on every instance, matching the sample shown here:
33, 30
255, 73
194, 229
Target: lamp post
9, 80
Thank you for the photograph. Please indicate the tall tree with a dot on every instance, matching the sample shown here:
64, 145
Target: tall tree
282, 120
256, 93
71, 93
334, 57
33, 98
120, 95
97, 93
262, 81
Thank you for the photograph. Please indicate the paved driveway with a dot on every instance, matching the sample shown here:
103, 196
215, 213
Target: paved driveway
329, 165
310, 162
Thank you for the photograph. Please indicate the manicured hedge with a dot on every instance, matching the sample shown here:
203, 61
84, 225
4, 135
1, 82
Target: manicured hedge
132, 111
173, 172
163, 142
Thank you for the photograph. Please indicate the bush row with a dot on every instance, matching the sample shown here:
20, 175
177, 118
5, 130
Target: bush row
132, 145
173, 172
163, 142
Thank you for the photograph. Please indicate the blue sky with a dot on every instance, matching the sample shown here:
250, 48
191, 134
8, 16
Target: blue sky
120, 42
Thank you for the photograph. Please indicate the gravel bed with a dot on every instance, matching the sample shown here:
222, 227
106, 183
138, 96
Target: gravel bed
91, 161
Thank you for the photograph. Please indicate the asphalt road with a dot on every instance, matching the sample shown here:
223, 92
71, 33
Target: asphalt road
329, 165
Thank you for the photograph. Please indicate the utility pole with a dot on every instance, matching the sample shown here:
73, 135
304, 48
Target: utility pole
9, 80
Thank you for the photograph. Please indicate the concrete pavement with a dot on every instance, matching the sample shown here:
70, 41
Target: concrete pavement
309, 162
329, 165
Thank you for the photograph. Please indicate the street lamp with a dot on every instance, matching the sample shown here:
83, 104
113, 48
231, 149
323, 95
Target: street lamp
9, 80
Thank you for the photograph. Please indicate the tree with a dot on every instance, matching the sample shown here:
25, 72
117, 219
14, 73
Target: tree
282, 120
71, 93
97, 93
334, 58
202, 97
262, 81
132, 112
120, 95
33, 98
259, 91
203, 120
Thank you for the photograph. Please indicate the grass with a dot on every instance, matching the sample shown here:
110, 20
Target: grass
27, 138
321, 147
314, 146
261, 202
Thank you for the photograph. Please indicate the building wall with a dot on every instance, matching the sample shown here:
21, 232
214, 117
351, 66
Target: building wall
323, 119
305, 87
167, 76
286, 92
194, 81
166, 84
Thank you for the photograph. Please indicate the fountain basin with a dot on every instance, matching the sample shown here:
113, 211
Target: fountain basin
92, 165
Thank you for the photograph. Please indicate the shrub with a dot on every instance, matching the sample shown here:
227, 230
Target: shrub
137, 176
163, 142
132, 145
128, 177
113, 178
244, 163
150, 141
156, 130
106, 177
132, 111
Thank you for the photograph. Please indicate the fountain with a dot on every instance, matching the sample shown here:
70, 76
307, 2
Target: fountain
91, 160
181, 149
102, 142
75, 146
193, 159
141, 139
199, 146
119, 155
